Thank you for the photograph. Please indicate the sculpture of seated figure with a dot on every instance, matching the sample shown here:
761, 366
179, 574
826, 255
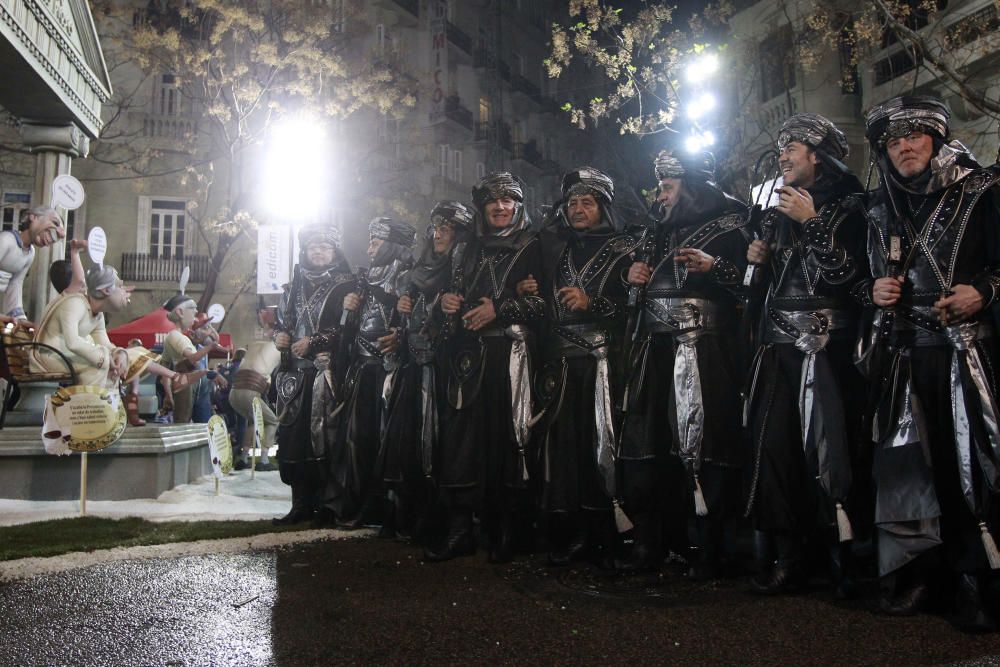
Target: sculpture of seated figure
74, 324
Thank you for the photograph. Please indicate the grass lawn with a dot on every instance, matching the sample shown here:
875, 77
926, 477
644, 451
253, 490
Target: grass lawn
60, 536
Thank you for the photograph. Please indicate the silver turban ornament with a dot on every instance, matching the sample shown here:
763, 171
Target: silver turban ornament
815, 131
589, 181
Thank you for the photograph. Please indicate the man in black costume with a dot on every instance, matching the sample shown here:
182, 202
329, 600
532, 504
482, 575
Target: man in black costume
485, 428
412, 420
308, 333
935, 246
803, 401
365, 367
681, 439
583, 258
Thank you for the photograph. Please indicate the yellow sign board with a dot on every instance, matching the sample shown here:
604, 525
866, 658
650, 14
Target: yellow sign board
90, 418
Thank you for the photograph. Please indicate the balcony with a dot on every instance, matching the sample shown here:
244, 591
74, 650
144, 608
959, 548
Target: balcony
528, 151
174, 128
895, 65
772, 114
454, 111
522, 85
141, 267
411, 6
459, 38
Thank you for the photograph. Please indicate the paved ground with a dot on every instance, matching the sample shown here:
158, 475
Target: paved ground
374, 602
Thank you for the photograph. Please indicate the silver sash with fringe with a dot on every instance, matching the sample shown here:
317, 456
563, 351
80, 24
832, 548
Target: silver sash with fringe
966, 360
687, 384
604, 422
520, 391
821, 414
429, 426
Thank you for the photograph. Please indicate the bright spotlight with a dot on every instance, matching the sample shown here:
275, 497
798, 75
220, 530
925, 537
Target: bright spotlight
295, 174
702, 67
699, 141
702, 105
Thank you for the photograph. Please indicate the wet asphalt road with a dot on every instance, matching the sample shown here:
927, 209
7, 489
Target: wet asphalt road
374, 602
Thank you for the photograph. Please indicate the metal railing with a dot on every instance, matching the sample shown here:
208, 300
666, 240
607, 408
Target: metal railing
169, 127
453, 110
142, 267
459, 37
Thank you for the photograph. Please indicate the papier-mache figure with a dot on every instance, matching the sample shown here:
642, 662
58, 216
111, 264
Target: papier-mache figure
74, 323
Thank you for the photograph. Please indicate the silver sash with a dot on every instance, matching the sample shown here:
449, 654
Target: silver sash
664, 311
962, 338
520, 391
687, 385
604, 422
324, 408
821, 414
429, 426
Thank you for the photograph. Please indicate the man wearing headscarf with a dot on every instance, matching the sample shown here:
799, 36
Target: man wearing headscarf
368, 365
934, 247
803, 401
412, 415
308, 334
583, 258
680, 445
482, 465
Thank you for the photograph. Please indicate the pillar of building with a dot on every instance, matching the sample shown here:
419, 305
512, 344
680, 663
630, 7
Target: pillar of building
54, 147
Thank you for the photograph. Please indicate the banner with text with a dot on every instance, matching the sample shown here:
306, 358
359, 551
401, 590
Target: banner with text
273, 258
439, 60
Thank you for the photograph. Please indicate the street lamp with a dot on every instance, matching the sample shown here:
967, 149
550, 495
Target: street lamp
699, 141
295, 171
702, 67
701, 105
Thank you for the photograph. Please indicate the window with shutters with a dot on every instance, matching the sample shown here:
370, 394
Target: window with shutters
13, 203
168, 96
167, 229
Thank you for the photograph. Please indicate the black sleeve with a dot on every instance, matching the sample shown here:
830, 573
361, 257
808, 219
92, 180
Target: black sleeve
528, 309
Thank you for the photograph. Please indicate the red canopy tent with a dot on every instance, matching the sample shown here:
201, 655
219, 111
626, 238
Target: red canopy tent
151, 329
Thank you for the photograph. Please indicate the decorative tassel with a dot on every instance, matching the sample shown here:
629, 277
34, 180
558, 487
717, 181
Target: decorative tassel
990, 546
534, 420
844, 525
458, 399
621, 519
700, 508
524, 467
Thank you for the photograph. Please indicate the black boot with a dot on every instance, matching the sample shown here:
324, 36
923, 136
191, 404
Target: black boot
970, 614
502, 539
578, 546
458, 542
705, 559
907, 591
603, 538
647, 544
301, 511
388, 529
787, 575
842, 571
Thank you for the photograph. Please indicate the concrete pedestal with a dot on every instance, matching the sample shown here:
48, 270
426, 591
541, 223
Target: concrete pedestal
144, 463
